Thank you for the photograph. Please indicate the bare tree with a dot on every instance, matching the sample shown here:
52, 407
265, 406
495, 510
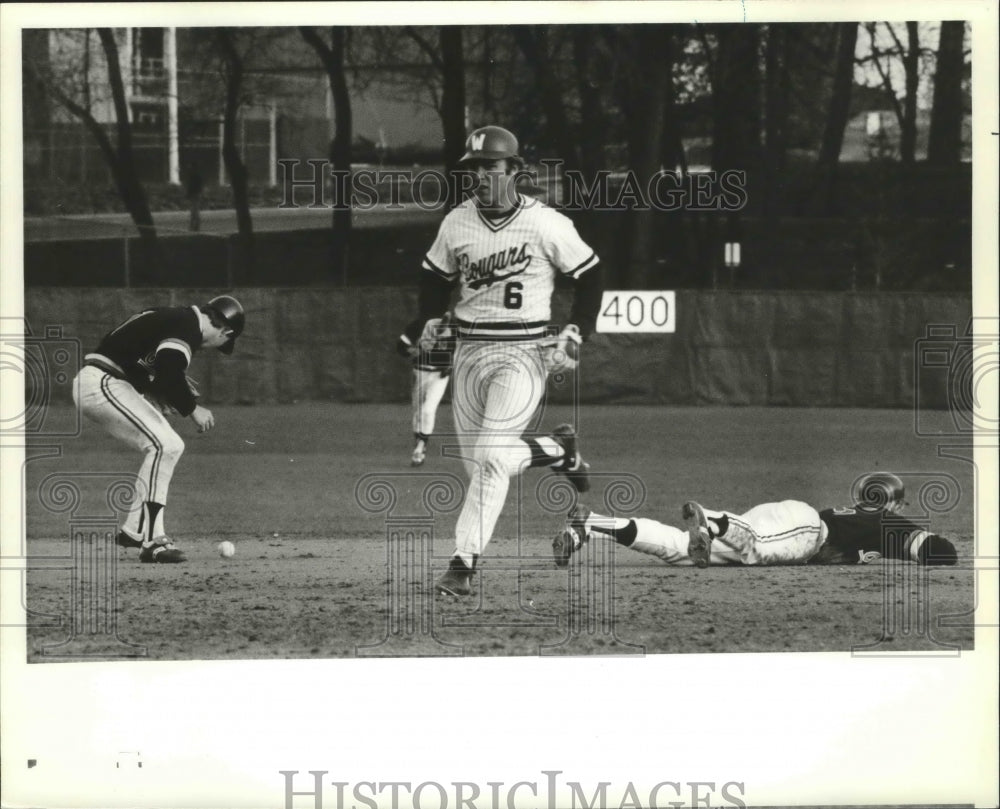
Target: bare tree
592, 132
644, 82
909, 55
448, 63
232, 73
71, 87
533, 42
944, 145
332, 57
736, 113
777, 82
836, 116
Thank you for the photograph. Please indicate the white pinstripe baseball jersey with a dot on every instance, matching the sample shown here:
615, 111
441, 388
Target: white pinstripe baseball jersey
507, 266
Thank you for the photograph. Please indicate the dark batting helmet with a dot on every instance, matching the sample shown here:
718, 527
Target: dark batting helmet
491, 143
227, 309
880, 491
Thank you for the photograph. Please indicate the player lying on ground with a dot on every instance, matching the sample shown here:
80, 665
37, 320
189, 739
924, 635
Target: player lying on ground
504, 251
785, 533
134, 377
432, 356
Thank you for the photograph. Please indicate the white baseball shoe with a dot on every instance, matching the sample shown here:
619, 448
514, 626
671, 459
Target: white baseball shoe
419, 453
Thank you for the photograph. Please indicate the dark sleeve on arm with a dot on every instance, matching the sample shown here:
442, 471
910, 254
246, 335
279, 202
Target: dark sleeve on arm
169, 382
435, 294
587, 292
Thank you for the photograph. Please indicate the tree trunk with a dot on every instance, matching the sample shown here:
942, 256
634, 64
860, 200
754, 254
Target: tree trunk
332, 58
908, 126
944, 144
736, 98
593, 126
452, 104
123, 169
533, 43
235, 167
644, 96
778, 90
836, 117
671, 146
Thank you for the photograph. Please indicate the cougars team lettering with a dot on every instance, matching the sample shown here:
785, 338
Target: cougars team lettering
490, 269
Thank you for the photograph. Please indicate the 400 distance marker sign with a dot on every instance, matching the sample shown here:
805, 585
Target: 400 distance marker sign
637, 313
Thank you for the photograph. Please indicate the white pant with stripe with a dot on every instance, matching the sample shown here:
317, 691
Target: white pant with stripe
789, 532
426, 394
497, 388
125, 414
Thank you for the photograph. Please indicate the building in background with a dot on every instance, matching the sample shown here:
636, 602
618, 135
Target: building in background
174, 95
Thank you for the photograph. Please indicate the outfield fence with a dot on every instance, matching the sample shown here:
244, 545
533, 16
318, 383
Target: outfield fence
730, 347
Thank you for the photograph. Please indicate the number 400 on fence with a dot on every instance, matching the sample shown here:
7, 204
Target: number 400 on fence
637, 312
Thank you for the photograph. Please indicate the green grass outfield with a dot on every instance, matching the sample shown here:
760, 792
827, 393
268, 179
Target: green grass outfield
315, 497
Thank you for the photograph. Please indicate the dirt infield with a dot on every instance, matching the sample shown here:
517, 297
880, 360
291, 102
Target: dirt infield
338, 539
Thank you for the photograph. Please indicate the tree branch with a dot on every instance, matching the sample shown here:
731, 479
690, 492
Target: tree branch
425, 46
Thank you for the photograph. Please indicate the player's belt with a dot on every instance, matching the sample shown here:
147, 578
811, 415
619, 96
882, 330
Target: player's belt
104, 364
501, 330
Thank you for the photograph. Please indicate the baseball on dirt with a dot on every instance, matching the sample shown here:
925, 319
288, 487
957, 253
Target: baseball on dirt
226, 549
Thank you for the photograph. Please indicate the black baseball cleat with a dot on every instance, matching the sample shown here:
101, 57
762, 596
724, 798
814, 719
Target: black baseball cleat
123, 540
573, 466
456, 580
161, 551
699, 539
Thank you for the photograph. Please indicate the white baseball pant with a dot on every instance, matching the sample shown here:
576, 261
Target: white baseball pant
426, 394
496, 390
125, 414
789, 532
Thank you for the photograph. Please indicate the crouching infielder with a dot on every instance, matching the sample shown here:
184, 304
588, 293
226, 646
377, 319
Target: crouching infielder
789, 532
135, 376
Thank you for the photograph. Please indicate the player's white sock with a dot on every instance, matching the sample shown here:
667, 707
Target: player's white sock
468, 558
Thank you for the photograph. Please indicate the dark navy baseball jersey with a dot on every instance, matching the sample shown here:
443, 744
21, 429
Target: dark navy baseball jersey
152, 349
858, 535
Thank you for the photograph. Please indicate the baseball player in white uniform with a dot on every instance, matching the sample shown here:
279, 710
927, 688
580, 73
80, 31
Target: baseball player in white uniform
503, 250
788, 532
432, 365
134, 376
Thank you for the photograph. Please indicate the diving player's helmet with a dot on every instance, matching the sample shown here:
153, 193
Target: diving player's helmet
880, 491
